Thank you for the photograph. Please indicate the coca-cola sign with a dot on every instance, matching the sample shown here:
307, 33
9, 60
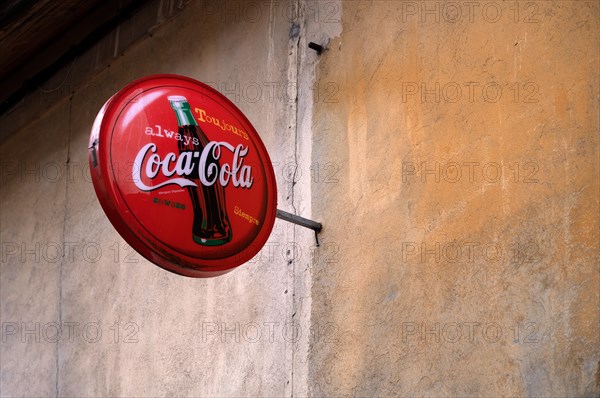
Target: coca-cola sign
182, 175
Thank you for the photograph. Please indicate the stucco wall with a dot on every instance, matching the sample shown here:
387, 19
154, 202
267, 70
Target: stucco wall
451, 152
467, 215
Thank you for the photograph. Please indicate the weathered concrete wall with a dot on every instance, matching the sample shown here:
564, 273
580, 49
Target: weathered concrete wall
467, 222
128, 327
451, 152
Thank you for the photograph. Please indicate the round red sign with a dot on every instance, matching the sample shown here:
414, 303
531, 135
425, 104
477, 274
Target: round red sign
182, 175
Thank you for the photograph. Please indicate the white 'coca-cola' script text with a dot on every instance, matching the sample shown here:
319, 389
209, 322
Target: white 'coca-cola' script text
149, 164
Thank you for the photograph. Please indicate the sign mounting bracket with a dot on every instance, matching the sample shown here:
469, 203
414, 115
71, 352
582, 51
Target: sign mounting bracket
303, 222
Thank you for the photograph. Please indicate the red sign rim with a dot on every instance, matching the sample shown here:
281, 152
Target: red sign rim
118, 211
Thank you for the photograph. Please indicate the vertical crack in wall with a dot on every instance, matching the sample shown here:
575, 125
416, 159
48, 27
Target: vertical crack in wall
64, 231
293, 68
293, 71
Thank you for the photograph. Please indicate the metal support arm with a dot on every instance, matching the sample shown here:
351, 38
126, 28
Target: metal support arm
304, 222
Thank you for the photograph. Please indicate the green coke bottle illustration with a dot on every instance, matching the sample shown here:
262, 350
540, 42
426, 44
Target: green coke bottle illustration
211, 225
